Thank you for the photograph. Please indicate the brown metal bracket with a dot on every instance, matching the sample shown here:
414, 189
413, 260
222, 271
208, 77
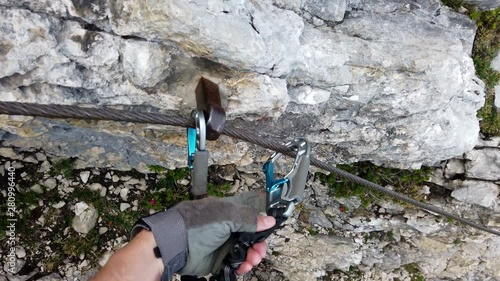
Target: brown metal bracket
208, 100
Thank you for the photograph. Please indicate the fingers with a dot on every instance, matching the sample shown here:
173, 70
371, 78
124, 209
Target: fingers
265, 222
255, 255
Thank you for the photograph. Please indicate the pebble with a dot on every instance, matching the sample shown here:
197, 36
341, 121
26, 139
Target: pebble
103, 230
17, 165
115, 178
95, 187
30, 159
45, 167
126, 178
84, 176
8, 152
184, 182
133, 181
59, 205
37, 189
124, 194
50, 183
20, 252
107, 176
40, 156
124, 206
80, 207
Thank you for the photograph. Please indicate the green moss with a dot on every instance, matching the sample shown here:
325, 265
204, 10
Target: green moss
218, 190
312, 231
62, 167
157, 168
414, 272
486, 46
408, 182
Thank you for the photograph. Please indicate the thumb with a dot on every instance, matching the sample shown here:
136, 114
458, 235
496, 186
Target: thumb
265, 222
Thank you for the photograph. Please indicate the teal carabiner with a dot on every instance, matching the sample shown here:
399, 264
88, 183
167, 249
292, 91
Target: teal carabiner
284, 193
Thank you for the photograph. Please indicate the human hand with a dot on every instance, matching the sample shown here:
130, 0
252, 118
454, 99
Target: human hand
194, 236
210, 240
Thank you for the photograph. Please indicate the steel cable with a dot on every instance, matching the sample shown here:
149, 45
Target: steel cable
77, 112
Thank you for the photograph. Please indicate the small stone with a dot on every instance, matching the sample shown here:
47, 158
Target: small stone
124, 206
103, 192
103, 230
17, 165
45, 167
115, 178
132, 181
124, 193
126, 178
85, 219
59, 205
80, 207
50, 183
20, 252
84, 176
477, 192
37, 189
40, 156
184, 182
107, 176
8, 152
454, 167
30, 159
95, 187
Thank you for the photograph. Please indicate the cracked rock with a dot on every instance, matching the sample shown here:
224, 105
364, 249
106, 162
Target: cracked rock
483, 164
477, 192
85, 219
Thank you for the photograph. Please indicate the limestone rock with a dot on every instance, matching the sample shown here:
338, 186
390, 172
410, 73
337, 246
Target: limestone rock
144, 63
477, 192
84, 176
85, 219
483, 164
393, 82
326, 9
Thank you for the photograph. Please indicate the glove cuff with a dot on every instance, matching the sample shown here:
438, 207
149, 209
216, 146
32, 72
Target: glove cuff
169, 231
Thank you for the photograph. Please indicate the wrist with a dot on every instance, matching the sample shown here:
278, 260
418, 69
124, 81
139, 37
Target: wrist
148, 243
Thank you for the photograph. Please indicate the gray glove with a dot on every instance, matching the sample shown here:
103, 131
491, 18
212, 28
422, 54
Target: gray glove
193, 236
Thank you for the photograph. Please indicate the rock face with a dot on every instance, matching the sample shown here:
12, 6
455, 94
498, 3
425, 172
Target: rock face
387, 81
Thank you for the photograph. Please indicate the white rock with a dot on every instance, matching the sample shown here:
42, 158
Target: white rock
96, 187
45, 167
37, 189
40, 156
30, 159
144, 63
50, 183
8, 152
484, 164
20, 252
84, 176
124, 206
59, 205
331, 10
103, 230
477, 192
495, 63
85, 219
124, 193
80, 207
454, 167
115, 178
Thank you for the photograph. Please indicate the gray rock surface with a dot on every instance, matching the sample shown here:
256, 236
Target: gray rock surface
495, 63
477, 192
393, 82
483, 164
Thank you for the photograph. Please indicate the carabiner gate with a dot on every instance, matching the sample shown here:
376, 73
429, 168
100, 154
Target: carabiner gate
283, 194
